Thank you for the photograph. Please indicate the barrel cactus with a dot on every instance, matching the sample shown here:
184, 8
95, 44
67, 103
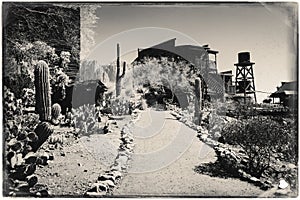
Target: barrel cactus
55, 111
43, 131
42, 90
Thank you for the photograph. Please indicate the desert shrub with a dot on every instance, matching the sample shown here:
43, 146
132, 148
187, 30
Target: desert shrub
261, 138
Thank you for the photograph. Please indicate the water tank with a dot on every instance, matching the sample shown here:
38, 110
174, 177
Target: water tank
244, 57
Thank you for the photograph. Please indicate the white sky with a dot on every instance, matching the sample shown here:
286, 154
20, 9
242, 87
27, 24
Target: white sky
267, 31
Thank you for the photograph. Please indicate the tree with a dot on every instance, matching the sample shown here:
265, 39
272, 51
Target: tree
177, 76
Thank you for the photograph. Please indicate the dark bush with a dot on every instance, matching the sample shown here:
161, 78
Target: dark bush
261, 138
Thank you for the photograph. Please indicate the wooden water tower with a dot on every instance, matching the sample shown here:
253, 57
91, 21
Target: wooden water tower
244, 78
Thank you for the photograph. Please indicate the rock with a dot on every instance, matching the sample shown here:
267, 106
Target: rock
96, 194
283, 184
268, 182
85, 170
30, 169
254, 179
129, 146
31, 180
13, 161
12, 194
105, 177
62, 153
12, 142
22, 186
20, 159
42, 193
109, 183
282, 192
203, 137
291, 166
116, 174
217, 134
116, 167
45, 156
51, 157
51, 147
100, 187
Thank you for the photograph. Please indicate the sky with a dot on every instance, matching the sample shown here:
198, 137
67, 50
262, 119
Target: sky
267, 31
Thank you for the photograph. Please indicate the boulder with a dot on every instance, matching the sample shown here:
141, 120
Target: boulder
283, 184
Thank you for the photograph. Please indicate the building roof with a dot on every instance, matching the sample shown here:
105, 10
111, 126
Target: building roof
187, 52
286, 88
226, 73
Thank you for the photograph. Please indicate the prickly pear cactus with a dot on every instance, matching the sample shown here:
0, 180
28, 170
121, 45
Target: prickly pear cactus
42, 90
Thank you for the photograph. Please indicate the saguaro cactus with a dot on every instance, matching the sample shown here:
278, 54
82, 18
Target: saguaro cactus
198, 101
42, 91
118, 76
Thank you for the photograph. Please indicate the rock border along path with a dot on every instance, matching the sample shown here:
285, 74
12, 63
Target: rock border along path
108, 180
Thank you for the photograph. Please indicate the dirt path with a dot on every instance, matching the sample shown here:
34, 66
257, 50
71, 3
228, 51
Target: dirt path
166, 154
78, 163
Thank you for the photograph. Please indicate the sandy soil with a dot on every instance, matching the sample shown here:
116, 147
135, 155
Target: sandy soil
174, 176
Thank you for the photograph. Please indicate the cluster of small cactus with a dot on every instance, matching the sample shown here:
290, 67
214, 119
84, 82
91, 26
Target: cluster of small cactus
42, 90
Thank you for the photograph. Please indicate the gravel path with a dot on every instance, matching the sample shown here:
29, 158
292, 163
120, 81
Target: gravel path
166, 154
